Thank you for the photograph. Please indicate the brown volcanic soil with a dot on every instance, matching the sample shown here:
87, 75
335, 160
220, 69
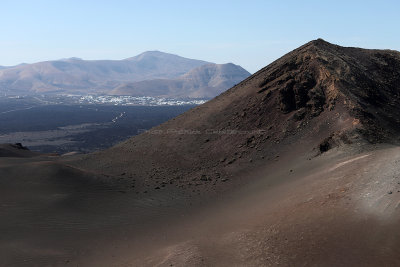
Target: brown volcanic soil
302, 179
338, 209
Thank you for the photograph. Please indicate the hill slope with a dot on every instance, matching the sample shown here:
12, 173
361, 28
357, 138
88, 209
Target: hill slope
206, 81
316, 97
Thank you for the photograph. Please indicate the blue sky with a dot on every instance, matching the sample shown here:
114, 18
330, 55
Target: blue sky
249, 33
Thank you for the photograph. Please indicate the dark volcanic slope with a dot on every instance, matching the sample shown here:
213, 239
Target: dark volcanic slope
314, 98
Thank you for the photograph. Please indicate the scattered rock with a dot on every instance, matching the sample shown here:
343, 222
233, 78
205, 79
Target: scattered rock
204, 178
325, 145
231, 161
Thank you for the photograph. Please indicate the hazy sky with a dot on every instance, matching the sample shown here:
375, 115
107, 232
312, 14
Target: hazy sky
249, 33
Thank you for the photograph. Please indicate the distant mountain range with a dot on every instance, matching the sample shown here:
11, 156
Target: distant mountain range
151, 73
206, 81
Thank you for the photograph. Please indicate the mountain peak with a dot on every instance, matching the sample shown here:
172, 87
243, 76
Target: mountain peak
319, 41
158, 59
155, 54
319, 77
71, 59
317, 45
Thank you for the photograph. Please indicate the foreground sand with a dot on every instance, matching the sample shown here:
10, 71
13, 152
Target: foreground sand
340, 208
